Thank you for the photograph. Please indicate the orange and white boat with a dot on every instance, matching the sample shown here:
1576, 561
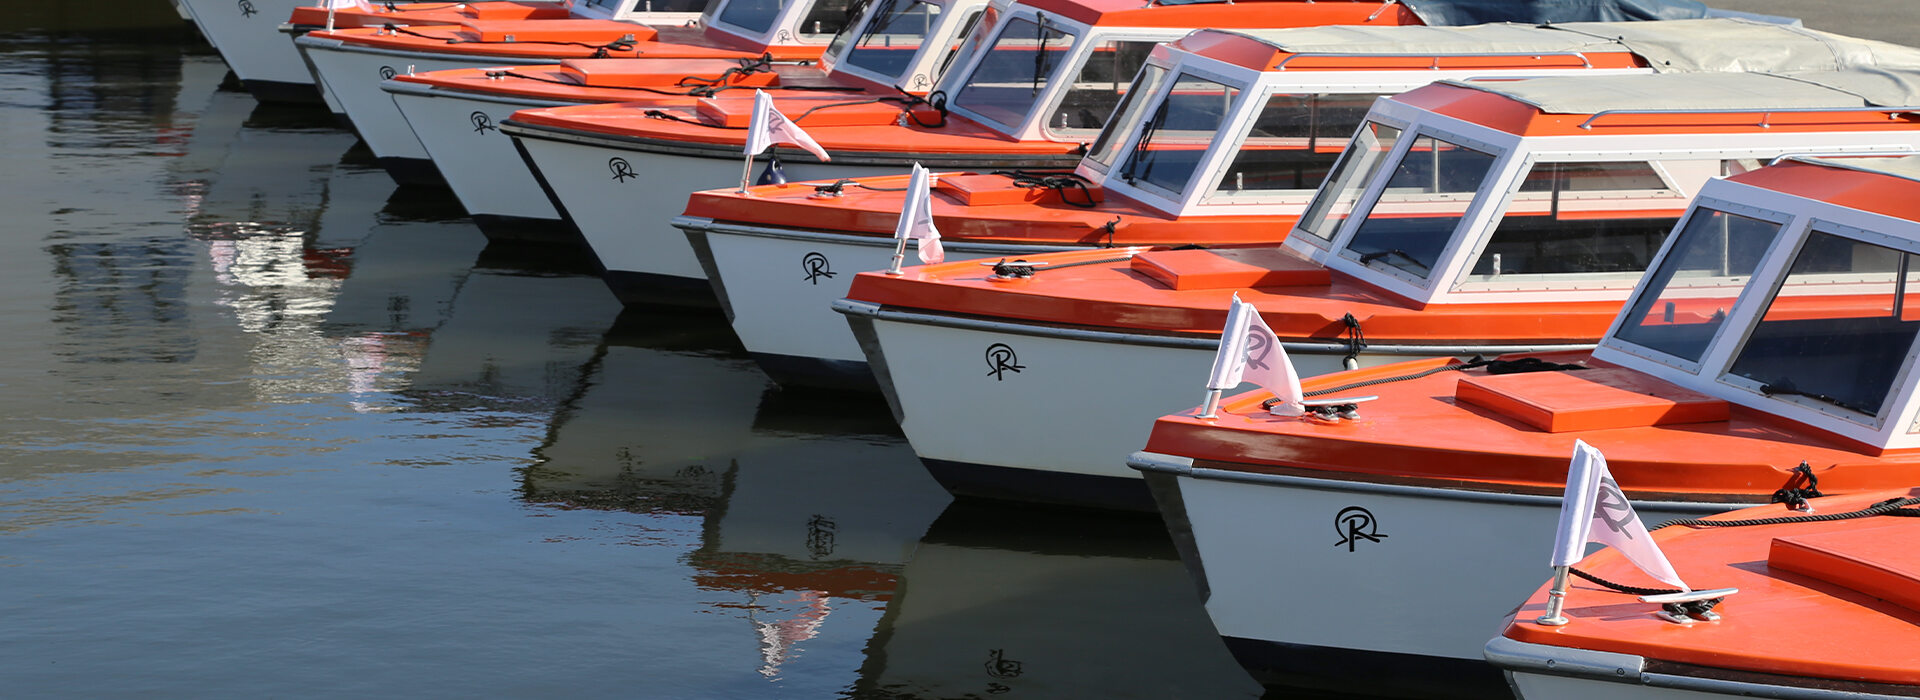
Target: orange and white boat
1848, 591
1769, 352
253, 36
779, 256
1028, 90
1466, 218
894, 46
350, 64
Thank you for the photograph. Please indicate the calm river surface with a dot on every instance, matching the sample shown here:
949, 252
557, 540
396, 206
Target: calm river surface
273, 429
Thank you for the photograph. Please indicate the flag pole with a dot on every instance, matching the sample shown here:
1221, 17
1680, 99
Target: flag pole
1556, 599
899, 254
746, 173
1212, 403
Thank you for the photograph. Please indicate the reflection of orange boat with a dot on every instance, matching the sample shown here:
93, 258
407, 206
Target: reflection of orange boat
1494, 225
351, 63
893, 46
1444, 491
1851, 588
1233, 176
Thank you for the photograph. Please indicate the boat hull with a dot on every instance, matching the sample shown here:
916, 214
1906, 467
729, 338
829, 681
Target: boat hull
622, 201
1382, 574
247, 35
460, 133
1066, 404
778, 286
351, 75
1540, 672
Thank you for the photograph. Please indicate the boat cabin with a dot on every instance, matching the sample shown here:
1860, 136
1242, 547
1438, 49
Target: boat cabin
1785, 290
1053, 70
776, 23
1563, 189
883, 46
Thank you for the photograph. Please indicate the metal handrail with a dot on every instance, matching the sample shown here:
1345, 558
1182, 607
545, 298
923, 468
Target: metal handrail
1282, 65
1765, 114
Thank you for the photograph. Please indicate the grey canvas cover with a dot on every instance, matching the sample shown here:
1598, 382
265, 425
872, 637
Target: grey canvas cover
1671, 46
1462, 12
1680, 92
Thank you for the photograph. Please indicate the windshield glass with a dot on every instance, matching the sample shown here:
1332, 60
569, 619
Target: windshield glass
1431, 187
1351, 175
1689, 295
1579, 218
1096, 90
1008, 80
1293, 143
1840, 328
826, 18
658, 5
1127, 115
752, 16
890, 41
1176, 137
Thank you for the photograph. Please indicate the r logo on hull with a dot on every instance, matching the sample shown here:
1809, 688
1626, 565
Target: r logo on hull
1355, 524
1001, 360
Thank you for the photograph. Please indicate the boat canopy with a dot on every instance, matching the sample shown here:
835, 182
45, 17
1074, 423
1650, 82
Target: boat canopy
1440, 198
1191, 146
1478, 11
1700, 92
884, 45
1793, 290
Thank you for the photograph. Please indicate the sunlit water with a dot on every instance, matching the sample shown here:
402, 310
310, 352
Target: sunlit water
275, 429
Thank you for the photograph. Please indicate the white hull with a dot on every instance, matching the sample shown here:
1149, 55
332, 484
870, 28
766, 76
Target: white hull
1078, 404
1542, 672
247, 34
478, 162
624, 212
1377, 570
779, 285
1535, 686
351, 77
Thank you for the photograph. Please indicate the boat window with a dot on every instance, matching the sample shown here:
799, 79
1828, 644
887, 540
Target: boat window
1294, 143
1096, 89
827, 17
1581, 218
657, 5
968, 26
1351, 175
1177, 135
1427, 194
1008, 80
752, 16
1685, 300
889, 42
1839, 329
615, 5
1126, 115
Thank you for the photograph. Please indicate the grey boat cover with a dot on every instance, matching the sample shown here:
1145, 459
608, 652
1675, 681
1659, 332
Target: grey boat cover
1724, 92
1673, 46
1907, 167
1463, 12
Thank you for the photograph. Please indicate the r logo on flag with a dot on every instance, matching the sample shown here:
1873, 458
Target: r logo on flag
1259, 346
1612, 508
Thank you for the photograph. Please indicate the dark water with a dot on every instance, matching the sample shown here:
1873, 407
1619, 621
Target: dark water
273, 429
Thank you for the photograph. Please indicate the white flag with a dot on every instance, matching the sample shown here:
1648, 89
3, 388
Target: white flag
1250, 351
916, 216
1595, 510
769, 127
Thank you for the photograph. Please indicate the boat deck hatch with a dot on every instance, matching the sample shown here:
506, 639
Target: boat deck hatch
597, 31
1594, 399
661, 72
1230, 268
514, 10
997, 190
1876, 561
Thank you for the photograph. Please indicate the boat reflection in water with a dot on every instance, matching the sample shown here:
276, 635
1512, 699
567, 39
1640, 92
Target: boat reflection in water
808, 506
1004, 600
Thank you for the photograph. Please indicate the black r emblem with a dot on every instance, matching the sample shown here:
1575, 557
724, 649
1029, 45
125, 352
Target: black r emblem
1259, 346
246, 8
1000, 360
785, 37
386, 72
1611, 502
920, 81
820, 536
999, 666
621, 168
481, 122
1354, 524
816, 266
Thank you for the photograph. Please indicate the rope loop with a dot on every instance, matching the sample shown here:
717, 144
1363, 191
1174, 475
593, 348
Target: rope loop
1796, 496
1060, 181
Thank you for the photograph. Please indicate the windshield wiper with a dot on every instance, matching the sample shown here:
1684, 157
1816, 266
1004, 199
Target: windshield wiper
1040, 57
1786, 389
1366, 258
1141, 150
